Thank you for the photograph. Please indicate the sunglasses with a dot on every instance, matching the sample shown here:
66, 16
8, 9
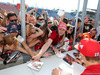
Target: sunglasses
49, 22
41, 19
13, 20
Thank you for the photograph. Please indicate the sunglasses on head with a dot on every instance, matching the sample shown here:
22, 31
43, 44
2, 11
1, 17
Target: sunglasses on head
13, 20
41, 19
49, 22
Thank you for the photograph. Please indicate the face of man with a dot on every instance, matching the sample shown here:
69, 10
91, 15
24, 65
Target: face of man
14, 34
78, 24
13, 19
93, 33
32, 20
61, 31
49, 23
41, 19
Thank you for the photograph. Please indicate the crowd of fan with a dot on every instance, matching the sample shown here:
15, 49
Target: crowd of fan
54, 36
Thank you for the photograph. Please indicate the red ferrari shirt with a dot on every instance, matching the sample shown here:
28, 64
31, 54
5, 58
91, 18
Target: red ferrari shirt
55, 37
92, 70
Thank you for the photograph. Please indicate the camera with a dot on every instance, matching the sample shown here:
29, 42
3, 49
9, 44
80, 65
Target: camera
9, 58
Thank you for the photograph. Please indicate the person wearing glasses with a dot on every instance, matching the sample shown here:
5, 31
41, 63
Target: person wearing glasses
12, 18
54, 38
40, 21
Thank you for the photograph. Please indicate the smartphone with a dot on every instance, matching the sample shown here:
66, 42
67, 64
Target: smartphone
18, 5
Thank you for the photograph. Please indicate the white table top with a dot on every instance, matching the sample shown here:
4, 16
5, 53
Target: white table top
49, 64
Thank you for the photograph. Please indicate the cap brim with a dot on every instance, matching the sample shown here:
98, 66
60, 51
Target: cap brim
76, 47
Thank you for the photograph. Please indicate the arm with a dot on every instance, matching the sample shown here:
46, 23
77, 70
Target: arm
62, 17
45, 46
78, 35
56, 71
32, 36
33, 43
1, 59
42, 12
3, 12
50, 31
28, 49
21, 50
2, 28
27, 30
43, 49
35, 9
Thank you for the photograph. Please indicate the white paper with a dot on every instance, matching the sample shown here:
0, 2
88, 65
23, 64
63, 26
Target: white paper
35, 65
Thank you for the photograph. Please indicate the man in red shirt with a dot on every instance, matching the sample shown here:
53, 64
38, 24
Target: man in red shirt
55, 37
90, 53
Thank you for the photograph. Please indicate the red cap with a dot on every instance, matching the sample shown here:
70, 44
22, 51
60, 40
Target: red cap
89, 47
62, 25
87, 17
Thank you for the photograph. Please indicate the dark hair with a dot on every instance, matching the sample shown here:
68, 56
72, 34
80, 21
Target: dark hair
79, 20
46, 31
10, 14
92, 58
38, 17
69, 35
65, 20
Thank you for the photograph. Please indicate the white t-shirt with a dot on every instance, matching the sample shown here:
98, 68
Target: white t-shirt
20, 38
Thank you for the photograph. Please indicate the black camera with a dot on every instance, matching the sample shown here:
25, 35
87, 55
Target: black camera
9, 58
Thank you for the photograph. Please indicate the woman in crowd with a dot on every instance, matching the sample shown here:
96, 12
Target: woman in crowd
53, 39
14, 32
32, 32
40, 41
10, 43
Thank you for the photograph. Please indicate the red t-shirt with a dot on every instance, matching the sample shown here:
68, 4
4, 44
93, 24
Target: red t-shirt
92, 70
55, 37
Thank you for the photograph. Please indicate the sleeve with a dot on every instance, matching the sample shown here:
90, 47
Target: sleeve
53, 35
21, 39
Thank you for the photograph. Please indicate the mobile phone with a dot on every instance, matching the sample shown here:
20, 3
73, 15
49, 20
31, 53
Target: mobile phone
18, 5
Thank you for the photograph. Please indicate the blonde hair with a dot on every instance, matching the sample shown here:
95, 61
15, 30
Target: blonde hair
30, 27
9, 40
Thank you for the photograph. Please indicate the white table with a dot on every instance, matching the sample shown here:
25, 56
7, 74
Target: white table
49, 64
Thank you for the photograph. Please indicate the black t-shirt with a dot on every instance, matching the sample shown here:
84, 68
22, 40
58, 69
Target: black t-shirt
54, 28
87, 28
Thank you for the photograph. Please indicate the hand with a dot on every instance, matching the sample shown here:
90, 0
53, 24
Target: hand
3, 12
56, 71
80, 35
46, 54
36, 58
35, 9
78, 60
2, 29
43, 11
55, 50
